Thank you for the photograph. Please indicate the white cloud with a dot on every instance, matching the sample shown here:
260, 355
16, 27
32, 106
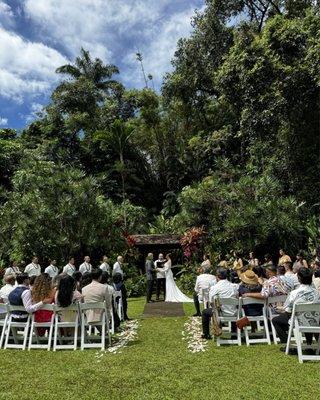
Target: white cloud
3, 121
6, 15
159, 50
26, 67
115, 29
35, 110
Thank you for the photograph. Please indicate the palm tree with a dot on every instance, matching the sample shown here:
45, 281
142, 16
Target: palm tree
93, 70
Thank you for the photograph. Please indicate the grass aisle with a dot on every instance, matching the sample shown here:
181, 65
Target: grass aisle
157, 366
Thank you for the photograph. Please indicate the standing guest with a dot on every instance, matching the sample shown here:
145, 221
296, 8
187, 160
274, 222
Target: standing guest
204, 282
9, 281
120, 286
253, 261
13, 270
41, 290
223, 263
161, 277
33, 269
223, 288
95, 292
305, 293
70, 268
206, 263
299, 263
267, 260
104, 279
150, 271
66, 295
52, 270
118, 266
105, 264
238, 262
85, 266
283, 257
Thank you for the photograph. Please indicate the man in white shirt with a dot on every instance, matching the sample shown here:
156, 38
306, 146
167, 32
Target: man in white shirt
305, 293
85, 267
9, 281
105, 266
204, 281
117, 266
13, 270
70, 268
290, 276
33, 269
52, 270
223, 288
161, 277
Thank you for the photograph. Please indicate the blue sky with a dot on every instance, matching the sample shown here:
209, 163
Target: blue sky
37, 36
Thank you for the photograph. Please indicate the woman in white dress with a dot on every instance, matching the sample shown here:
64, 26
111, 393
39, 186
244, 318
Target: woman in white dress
173, 293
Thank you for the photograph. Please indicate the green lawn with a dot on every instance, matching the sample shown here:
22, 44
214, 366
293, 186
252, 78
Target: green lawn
158, 366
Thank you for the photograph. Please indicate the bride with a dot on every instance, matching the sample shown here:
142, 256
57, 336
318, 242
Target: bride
173, 293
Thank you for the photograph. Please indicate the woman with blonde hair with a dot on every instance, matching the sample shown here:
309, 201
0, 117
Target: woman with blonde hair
41, 290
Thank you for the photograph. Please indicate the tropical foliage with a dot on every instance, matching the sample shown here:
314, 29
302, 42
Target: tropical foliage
231, 144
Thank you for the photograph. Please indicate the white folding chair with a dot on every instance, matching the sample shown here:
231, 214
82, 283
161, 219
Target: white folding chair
259, 318
15, 327
118, 304
90, 341
229, 319
3, 322
42, 325
272, 302
62, 341
305, 318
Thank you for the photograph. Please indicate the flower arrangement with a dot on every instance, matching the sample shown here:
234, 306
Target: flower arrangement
191, 241
192, 334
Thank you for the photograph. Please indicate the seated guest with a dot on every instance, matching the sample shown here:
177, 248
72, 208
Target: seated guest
13, 270
261, 274
95, 292
204, 281
104, 279
305, 293
77, 276
273, 286
206, 263
253, 261
41, 290
291, 277
86, 280
21, 296
267, 260
223, 288
287, 280
9, 281
250, 284
66, 295
316, 279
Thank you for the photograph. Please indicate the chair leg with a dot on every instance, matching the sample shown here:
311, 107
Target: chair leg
8, 333
239, 336
318, 349
289, 336
31, 333
3, 330
266, 328
298, 339
75, 338
55, 336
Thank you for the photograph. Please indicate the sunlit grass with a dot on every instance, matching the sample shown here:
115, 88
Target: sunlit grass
158, 366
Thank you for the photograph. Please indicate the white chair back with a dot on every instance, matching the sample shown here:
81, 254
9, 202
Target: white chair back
15, 326
48, 326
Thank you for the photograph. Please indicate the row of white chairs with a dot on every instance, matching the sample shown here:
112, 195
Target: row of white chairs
56, 328
298, 326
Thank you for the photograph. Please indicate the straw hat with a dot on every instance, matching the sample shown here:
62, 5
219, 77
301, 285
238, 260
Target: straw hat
249, 277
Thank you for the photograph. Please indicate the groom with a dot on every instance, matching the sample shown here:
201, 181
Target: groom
161, 277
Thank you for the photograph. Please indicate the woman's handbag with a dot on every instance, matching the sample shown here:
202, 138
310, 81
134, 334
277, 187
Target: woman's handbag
215, 326
242, 322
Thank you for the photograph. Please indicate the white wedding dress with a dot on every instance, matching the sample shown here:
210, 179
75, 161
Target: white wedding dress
173, 293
